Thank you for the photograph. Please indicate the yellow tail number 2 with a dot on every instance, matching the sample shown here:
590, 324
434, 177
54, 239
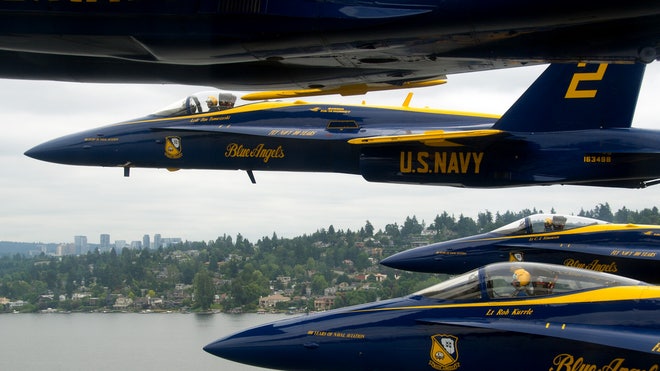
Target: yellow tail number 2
573, 92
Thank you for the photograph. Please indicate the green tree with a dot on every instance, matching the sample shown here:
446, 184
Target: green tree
319, 284
369, 229
203, 290
411, 227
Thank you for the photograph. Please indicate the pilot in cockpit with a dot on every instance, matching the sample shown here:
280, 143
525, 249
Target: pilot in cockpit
547, 225
521, 283
212, 103
556, 223
222, 102
226, 101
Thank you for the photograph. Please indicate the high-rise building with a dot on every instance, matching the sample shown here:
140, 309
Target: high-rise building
145, 242
104, 242
157, 241
80, 243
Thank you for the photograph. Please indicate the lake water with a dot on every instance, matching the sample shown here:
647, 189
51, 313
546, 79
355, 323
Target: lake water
119, 341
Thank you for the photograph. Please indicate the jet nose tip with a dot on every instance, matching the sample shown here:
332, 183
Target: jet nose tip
390, 261
30, 152
403, 260
414, 260
216, 348
49, 151
61, 150
269, 344
36, 152
230, 350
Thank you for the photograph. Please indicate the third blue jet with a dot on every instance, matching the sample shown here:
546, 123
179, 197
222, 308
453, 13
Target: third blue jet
630, 250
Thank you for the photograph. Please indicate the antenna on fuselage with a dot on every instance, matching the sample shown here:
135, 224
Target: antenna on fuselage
251, 175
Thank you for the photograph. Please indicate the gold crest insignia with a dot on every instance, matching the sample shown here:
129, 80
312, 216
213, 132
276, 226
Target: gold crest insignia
173, 147
444, 352
515, 257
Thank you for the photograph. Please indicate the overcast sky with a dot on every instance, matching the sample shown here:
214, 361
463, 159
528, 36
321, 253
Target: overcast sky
45, 202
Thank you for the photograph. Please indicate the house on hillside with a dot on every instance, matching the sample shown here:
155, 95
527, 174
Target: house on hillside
271, 300
324, 303
122, 303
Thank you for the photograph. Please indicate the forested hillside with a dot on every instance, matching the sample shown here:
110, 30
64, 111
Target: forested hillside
232, 273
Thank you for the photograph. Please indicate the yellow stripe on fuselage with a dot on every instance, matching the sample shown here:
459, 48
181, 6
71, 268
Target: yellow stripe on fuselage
264, 106
608, 294
581, 230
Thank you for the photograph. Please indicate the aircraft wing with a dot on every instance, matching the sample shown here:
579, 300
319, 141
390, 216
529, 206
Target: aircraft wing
621, 251
637, 339
431, 138
312, 45
344, 90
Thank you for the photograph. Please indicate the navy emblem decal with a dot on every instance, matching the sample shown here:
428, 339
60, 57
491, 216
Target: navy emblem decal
444, 352
515, 256
173, 147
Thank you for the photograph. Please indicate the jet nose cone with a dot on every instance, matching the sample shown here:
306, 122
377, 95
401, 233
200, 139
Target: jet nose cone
61, 150
244, 346
216, 348
40, 152
232, 348
415, 260
229, 350
399, 260
269, 346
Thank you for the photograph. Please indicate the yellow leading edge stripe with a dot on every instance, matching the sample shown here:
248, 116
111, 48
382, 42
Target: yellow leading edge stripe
653, 231
355, 89
427, 136
595, 296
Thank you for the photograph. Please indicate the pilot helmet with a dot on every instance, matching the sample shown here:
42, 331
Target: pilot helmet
211, 101
521, 278
227, 100
548, 222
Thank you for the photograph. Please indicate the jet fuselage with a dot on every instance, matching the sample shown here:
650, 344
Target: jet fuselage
474, 322
315, 138
625, 249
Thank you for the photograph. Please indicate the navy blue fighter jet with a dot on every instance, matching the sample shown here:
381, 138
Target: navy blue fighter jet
626, 249
572, 126
505, 316
347, 46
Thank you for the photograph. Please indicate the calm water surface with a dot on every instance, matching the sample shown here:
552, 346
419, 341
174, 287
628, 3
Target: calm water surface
118, 341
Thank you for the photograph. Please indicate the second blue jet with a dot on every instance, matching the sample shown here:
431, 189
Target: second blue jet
572, 126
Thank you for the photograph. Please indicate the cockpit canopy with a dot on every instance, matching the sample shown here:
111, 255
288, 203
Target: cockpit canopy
543, 223
521, 279
201, 102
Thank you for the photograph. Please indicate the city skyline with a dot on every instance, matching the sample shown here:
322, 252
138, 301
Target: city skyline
81, 245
